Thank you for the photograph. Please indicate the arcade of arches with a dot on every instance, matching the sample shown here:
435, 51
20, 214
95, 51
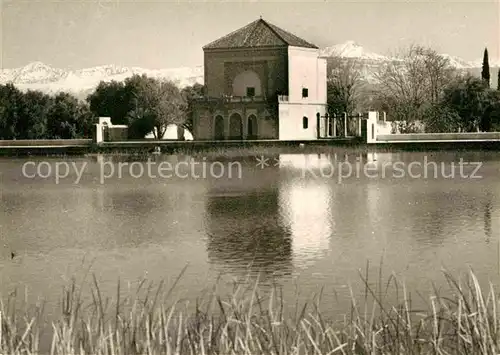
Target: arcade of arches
236, 128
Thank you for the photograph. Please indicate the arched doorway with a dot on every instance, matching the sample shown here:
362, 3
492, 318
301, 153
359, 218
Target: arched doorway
105, 131
219, 128
252, 127
235, 127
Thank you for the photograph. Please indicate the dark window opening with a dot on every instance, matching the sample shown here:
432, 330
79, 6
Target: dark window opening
250, 92
305, 122
305, 92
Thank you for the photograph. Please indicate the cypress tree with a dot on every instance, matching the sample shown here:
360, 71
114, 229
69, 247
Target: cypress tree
498, 79
485, 73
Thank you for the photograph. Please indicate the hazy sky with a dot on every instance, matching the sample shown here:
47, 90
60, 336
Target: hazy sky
164, 34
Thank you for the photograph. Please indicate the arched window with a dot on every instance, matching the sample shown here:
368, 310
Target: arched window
105, 131
235, 127
305, 122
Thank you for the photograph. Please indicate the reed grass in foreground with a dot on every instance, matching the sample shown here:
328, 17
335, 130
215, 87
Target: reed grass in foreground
465, 322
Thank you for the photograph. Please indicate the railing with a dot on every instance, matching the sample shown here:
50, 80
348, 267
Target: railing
411, 137
230, 98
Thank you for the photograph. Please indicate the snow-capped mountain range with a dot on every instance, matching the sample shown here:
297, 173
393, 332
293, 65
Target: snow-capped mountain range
39, 76
351, 49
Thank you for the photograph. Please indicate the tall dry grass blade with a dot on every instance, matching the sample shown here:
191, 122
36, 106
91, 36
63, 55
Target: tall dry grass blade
248, 334
54, 340
148, 337
117, 309
177, 279
311, 340
379, 302
1, 325
23, 338
99, 305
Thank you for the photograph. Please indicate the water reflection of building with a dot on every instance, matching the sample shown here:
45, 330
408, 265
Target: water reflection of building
380, 158
304, 162
160, 213
305, 207
374, 200
245, 233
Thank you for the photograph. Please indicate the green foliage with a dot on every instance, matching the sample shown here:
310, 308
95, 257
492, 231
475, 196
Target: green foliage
493, 111
145, 104
405, 127
11, 102
35, 109
35, 115
467, 105
190, 93
67, 118
110, 99
485, 73
440, 118
159, 102
498, 80
140, 123
469, 98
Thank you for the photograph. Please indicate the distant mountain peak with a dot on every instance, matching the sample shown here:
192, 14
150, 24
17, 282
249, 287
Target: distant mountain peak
36, 65
351, 43
351, 49
457, 62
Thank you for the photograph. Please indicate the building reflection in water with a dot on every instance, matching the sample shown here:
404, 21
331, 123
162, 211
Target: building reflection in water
245, 234
305, 205
309, 162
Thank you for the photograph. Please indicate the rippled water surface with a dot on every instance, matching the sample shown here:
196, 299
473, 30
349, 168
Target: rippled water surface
292, 220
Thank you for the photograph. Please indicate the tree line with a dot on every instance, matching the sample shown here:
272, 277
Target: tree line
145, 104
35, 115
419, 90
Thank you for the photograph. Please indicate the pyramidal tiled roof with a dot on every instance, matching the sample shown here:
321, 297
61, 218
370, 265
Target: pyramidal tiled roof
259, 33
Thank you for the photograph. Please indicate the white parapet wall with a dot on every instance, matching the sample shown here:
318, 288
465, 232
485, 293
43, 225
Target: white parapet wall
372, 127
377, 125
119, 131
99, 128
380, 131
299, 122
